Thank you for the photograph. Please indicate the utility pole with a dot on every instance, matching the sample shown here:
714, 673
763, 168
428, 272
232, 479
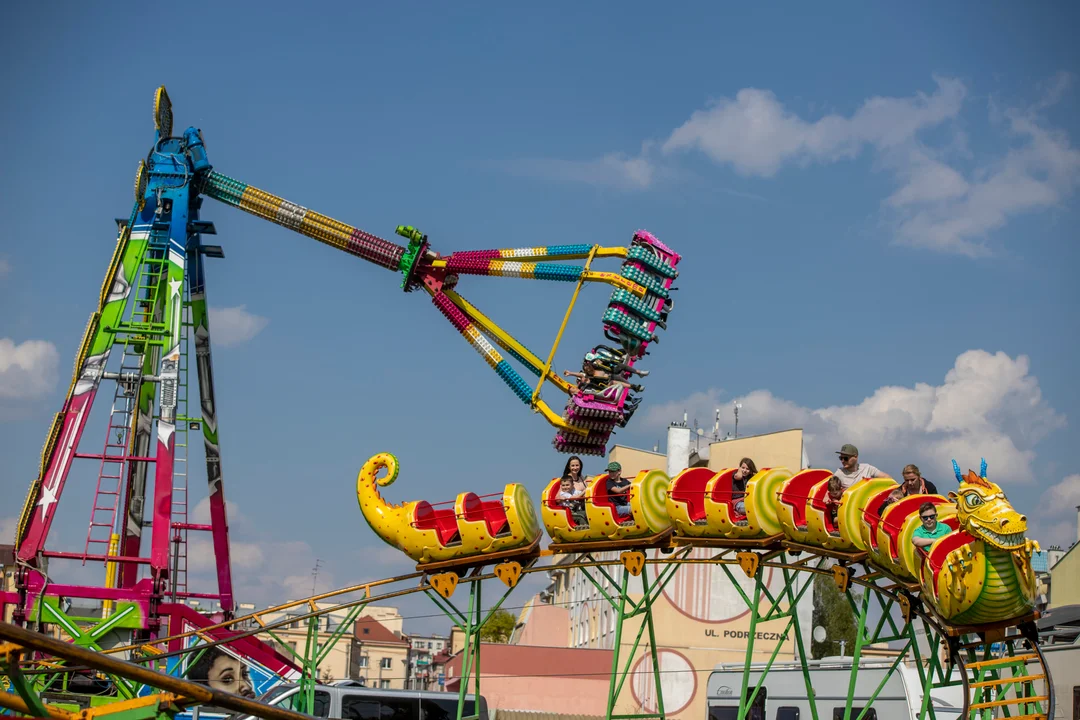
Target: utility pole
315, 574
736, 405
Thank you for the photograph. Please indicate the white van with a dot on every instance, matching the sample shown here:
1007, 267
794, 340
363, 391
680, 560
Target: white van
351, 701
783, 695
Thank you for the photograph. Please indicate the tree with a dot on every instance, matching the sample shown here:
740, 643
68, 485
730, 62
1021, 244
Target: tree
833, 612
498, 627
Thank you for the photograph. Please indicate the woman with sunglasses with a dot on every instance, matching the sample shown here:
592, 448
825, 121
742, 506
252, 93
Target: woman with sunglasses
926, 534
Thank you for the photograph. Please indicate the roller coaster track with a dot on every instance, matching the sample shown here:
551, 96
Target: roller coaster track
992, 678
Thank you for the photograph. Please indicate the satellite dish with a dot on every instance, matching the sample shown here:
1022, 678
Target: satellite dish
819, 634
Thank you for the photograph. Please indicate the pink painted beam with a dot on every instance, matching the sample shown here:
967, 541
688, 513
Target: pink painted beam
105, 558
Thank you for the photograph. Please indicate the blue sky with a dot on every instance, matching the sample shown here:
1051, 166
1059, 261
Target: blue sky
876, 208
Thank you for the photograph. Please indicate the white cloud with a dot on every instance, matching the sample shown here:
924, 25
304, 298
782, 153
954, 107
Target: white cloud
28, 369
935, 206
245, 555
617, 170
264, 570
7, 530
756, 134
1058, 504
988, 405
200, 514
1063, 497
234, 325
925, 180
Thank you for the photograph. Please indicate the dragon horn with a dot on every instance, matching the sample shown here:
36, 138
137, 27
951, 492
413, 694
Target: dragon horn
982, 468
956, 471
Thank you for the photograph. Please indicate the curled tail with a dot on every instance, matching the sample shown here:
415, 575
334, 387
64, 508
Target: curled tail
368, 481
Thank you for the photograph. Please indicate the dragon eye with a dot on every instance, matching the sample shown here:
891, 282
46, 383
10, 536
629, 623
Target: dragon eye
973, 499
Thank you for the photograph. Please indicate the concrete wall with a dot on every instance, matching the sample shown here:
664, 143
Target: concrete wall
583, 695
633, 461
778, 449
541, 679
544, 625
1065, 580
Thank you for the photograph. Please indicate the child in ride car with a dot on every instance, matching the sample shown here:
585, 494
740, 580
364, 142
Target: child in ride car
574, 500
832, 498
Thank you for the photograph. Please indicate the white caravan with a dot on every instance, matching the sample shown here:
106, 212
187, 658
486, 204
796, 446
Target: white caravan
783, 694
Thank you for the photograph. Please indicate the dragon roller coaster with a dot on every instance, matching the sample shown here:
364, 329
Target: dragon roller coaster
969, 596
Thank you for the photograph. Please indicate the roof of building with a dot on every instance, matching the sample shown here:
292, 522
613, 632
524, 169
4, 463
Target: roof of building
370, 630
526, 660
1064, 615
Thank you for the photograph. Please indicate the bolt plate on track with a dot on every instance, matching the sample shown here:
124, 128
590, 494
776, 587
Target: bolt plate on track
905, 607
842, 577
749, 563
633, 561
445, 583
509, 572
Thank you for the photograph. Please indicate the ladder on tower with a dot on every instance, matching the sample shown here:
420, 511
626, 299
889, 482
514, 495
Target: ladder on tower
142, 329
115, 454
179, 510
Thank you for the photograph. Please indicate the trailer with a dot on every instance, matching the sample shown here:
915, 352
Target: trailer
783, 694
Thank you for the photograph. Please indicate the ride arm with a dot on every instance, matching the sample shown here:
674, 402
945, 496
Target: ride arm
515, 262
448, 305
306, 222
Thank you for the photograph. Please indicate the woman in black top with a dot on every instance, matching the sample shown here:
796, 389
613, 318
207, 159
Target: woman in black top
747, 469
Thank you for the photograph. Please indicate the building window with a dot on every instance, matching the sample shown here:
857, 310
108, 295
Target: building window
386, 663
363, 661
384, 684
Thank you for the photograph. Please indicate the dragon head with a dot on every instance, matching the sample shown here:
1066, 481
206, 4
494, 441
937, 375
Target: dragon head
985, 512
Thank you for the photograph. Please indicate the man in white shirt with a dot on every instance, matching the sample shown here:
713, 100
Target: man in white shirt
851, 470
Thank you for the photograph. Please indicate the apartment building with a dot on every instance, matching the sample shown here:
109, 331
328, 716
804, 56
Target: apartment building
424, 670
342, 661
380, 658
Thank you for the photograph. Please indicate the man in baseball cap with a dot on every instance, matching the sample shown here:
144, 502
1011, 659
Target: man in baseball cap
618, 489
851, 470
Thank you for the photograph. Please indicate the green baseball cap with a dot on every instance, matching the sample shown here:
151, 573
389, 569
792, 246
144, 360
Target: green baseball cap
848, 449
614, 467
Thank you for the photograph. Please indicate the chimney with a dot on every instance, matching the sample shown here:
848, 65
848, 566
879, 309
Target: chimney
678, 448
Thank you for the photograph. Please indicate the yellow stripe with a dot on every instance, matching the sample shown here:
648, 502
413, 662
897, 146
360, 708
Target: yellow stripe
325, 229
261, 203
528, 270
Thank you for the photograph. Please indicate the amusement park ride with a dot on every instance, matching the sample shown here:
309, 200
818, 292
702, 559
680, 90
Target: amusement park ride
970, 594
